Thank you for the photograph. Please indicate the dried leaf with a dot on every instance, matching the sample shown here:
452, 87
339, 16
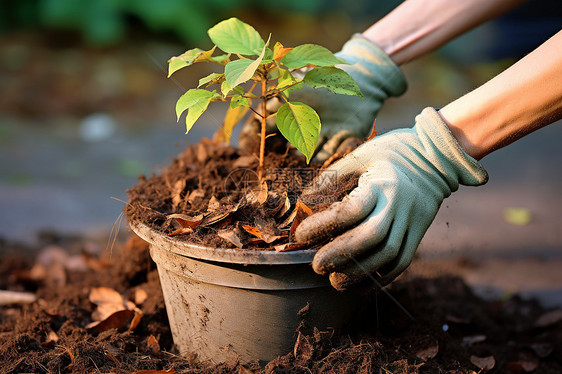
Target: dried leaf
257, 194
140, 296
288, 247
522, 366
214, 204
185, 221
182, 231
112, 357
16, 298
252, 230
302, 212
103, 311
136, 319
153, 344
428, 353
179, 186
373, 130
231, 236
232, 117
244, 162
195, 195
549, 318
105, 295
483, 363
285, 208
114, 321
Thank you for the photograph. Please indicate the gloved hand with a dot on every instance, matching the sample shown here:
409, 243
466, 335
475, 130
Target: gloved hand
344, 116
405, 175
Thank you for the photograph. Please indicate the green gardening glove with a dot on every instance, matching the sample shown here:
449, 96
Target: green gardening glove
344, 116
405, 175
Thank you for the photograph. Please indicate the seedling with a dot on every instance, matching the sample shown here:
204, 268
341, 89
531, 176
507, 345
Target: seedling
273, 72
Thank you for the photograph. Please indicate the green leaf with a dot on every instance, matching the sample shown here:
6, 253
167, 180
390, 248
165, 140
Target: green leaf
238, 100
305, 54
195, 101
189, 58
287, 79
235, 36
221, 59
300, 125
334, 80
213, 78
242, 70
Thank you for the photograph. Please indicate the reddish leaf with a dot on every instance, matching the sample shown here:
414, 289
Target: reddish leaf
136, 319
252, 230
114, 321
288, 247
302, 212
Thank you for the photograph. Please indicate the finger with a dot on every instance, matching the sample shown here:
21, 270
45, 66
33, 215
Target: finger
340, 215
382, 245
331, 146
392, 270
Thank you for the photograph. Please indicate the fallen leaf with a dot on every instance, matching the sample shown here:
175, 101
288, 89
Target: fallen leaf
153, 344
214, 204
288, 247
520, 367
244, 162
140, 296
230, 236
470, 340
177, 190
103, 311
136, 319
549, 318
195, 195
285, 208
105, 295
483, 363
182, 231
16, 298
252, 230
428, 353
114, 321
302, 212
185, 221
303, 348
373, 130
112, 357
517, 216
257, 194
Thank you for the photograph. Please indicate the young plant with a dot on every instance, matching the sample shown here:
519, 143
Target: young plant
247, 58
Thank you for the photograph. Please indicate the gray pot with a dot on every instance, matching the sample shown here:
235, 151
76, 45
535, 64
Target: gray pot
227, 303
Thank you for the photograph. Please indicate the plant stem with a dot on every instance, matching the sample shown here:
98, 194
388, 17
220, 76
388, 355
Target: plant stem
263, 128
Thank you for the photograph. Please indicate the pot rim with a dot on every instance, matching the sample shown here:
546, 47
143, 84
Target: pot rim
227, 255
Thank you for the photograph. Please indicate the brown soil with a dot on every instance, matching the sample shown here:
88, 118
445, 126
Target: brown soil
221, 183
425, 326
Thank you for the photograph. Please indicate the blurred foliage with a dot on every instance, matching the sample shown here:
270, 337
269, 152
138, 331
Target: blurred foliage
107, 22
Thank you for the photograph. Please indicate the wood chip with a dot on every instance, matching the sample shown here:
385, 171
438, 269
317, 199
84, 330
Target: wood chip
16, 298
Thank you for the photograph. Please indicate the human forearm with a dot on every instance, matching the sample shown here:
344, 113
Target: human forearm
420, 26
520, 100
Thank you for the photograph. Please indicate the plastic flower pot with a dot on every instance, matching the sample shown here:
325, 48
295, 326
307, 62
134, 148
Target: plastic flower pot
228, 303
